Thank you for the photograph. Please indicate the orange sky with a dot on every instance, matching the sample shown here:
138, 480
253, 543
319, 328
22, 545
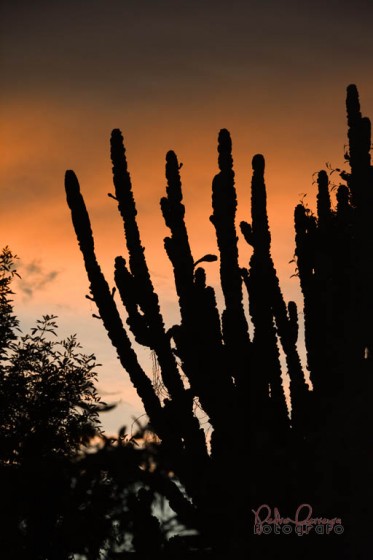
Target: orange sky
273, 72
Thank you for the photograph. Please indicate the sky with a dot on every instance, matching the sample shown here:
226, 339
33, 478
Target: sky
170, 75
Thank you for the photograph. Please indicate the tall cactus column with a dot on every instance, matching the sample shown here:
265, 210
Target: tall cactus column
360, 182
179, 407
224, 203
106, 305
200, 349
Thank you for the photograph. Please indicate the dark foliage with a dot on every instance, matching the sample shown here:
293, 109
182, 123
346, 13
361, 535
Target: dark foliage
65, 487
48, 401
9, 322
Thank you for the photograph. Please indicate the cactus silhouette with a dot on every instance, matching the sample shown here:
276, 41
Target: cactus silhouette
212, 356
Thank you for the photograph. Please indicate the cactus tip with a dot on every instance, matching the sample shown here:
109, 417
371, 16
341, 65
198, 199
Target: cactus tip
116, 136
352, 89
71, 181
171, 157
224, 139
258, 163
224, 133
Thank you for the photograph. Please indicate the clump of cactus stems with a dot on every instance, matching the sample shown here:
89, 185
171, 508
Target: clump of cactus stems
334, 251
237, 375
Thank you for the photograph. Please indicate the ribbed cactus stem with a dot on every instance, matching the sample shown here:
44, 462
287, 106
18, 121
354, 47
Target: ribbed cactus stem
127, 288
305, 239
261, 233
106, 305
361, 186
224, 203
305, 228
344, 210
177, 246
127, 209
293, 321
359, 135
323, 200
149, 325
147, 299
264, 292
198, 339
206, 302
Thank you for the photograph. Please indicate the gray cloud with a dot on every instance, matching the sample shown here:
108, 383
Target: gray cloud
34, 277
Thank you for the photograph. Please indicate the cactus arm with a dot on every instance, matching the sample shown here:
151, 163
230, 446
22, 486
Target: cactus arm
105, 303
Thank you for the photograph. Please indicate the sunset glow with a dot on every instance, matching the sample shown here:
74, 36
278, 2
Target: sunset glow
273, 73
